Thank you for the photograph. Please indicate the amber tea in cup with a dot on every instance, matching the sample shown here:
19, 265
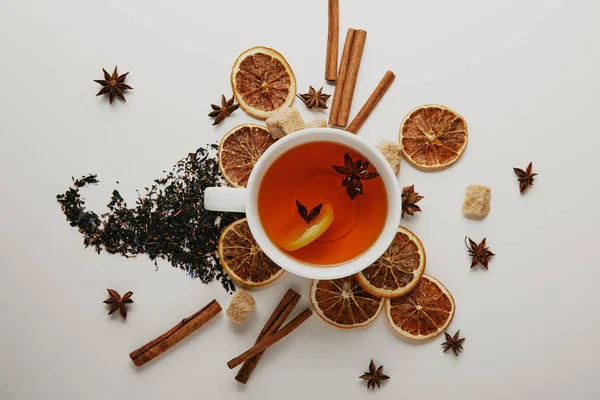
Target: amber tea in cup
327, 188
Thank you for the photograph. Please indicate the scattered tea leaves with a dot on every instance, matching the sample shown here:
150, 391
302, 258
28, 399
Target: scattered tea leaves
168, 222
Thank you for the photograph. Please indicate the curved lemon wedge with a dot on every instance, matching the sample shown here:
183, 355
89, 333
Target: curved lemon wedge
297, 234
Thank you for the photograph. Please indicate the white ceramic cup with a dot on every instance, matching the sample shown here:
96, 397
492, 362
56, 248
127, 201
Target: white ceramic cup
246, 200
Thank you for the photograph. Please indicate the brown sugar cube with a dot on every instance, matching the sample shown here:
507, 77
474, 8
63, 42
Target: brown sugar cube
284, 121
477, 200
239, 308
317, 123
391, 152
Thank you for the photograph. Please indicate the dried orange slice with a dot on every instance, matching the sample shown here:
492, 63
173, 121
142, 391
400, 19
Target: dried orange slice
398, 270
297, 234
433, 136
262, 81
343, 303
423, 313
240, 149
242, 259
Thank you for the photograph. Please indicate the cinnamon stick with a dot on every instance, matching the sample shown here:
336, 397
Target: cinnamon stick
371, 102
341, 78
356, 53
180, 331
278, 317
333, 33
270, 340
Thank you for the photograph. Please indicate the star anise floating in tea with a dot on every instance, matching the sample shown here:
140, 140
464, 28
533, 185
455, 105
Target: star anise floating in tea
453, 343
308, 216
354, 172
479, 252
374, 376
409, 200
314, 98
116, 302
525, 177
227, 107
113, 85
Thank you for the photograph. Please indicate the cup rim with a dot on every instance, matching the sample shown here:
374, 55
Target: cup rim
346, 268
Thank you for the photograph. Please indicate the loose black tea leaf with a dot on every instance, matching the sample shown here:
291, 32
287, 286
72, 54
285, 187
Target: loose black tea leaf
354, 172
306, 216
167, 222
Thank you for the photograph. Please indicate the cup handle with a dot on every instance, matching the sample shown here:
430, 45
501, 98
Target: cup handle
225, 199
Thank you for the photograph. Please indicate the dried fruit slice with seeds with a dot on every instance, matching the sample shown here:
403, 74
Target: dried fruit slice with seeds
240, 149
343, 303
433, 136
262, 81
242, 259
423, 313
398, 270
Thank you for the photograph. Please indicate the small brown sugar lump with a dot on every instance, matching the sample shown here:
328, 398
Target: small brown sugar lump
317, 123
239, 308
477, 200
391, 152
284, 121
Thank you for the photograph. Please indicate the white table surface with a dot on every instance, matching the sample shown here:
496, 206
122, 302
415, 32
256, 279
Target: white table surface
523, 73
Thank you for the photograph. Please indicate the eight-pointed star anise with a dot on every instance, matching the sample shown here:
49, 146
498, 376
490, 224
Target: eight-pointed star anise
453, 343
354, 172
113, 85
479, 252
374, 376
525, 177
314, 98
409, 200
117, 302
227, 107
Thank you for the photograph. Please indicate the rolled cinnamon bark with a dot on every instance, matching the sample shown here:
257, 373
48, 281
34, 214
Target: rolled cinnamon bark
164, 342
333, 33
281, 312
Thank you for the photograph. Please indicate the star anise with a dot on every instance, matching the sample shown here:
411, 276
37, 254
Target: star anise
525, 177
314, 98
374, 376
306, 216
409, 200
227, 107
117, 302
479, 252
453, 343
354, 172
113, 85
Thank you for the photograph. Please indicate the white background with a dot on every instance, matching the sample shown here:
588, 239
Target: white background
524, 74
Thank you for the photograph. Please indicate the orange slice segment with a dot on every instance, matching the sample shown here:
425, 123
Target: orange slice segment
343, 303
398, 270
423, 313
262, 81
297, 233
240, 149
433, 136
242, 259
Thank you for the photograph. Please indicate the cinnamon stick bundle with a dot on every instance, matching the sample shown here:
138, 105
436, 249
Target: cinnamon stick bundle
176, 334
347, 76
269, 340
371, 102
278, 317
333, 33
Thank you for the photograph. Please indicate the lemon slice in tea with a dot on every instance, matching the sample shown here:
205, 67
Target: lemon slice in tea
297, 234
